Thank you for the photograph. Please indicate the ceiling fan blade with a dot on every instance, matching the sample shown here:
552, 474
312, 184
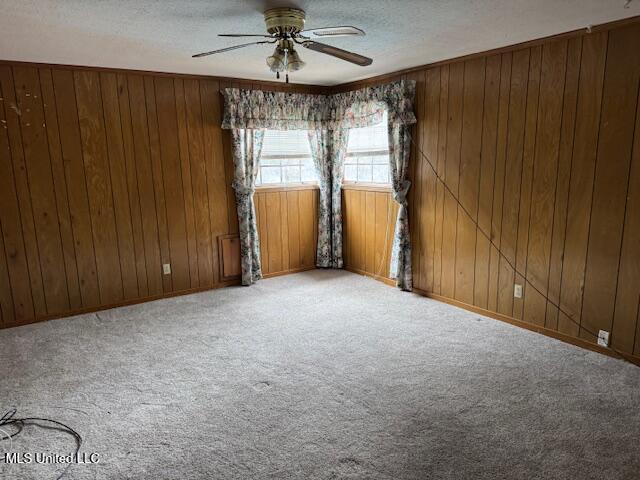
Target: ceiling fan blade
227, 49
338, 53
343, 31
243, 35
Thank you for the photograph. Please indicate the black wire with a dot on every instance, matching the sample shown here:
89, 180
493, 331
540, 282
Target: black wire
623, 355
9, 419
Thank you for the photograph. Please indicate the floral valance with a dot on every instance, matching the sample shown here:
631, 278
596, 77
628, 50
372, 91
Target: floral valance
256, 109
362, 108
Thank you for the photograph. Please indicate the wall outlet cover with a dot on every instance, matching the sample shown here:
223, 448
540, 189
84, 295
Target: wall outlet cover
603, 338
166, 268
517, 290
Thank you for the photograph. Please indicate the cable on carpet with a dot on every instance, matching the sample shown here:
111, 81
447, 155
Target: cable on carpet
618, 353
9, 418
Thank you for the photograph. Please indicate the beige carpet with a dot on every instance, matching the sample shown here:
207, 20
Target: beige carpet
321, 375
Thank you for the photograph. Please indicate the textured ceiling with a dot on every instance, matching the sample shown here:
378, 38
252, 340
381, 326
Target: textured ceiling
161, 35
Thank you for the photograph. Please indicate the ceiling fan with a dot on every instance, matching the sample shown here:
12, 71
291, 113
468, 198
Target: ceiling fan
285, 27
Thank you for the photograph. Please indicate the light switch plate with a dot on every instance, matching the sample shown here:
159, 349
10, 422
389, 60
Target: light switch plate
166, 268
517, 291
603, 338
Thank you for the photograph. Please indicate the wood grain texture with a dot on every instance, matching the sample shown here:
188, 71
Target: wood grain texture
23, 208
545, 174
105, 175
500, 174
540, 145
528, 156
368, 243
585, 141
617, 122
512, 179
487, 178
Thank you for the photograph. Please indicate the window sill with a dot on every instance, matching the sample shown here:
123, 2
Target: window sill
367, 187
288, 187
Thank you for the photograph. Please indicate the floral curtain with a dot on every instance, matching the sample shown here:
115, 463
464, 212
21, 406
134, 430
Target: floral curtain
399, 150
274, 110
257, 109
364, 107
247, 144
328, 148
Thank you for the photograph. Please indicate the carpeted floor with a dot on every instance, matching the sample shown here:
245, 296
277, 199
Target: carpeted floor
319, 375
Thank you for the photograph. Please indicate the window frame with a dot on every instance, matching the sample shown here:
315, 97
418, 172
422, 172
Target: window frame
301, 185
281, 166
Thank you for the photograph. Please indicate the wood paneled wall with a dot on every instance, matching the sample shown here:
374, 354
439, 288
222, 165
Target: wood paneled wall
106, 175
369, 215
288, 228
541, 145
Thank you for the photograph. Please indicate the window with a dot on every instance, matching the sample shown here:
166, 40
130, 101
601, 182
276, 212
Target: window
367, 158
285, 158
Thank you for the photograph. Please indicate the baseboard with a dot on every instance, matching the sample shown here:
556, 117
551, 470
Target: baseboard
380, 278
149, 298
579, 342
124, 303
287, 272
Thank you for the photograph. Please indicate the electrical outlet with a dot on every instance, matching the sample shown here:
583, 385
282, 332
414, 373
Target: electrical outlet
166, 268
517, 291
603, 338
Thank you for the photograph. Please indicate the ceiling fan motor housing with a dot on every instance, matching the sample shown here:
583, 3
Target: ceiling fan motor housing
284, 20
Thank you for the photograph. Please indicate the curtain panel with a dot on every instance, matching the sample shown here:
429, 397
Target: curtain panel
328, 119
399, 153
328, 149
247, 144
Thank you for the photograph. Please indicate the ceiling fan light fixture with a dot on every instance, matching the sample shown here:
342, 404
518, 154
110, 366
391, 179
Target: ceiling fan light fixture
294, 62
276, 62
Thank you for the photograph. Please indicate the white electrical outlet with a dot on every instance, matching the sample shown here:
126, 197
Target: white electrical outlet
166, 268
517, 290
603, 338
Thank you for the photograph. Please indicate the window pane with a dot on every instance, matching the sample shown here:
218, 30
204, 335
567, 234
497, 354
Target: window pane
271, 175
308, 173
381, 173
291, 174
350, 173
364, 173
381, 159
